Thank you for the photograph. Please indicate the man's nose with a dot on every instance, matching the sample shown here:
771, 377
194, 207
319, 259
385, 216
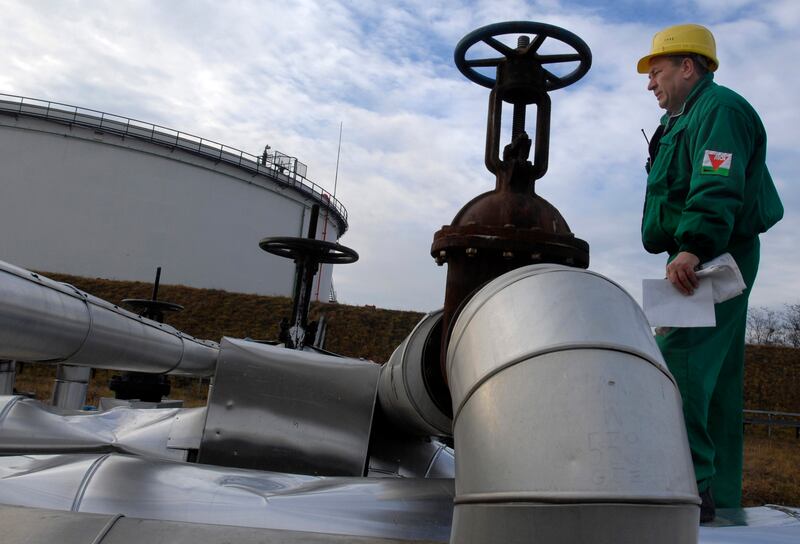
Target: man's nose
651, 84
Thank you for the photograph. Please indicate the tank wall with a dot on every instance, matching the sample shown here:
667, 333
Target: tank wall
82, 202
326, 230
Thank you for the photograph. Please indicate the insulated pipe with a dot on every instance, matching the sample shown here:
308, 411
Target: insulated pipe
567, 424
395, 509
70, 386
405, 391
397, 455
45, 321
29, 427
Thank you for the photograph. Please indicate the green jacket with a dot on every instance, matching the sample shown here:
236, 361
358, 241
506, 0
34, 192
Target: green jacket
709, 189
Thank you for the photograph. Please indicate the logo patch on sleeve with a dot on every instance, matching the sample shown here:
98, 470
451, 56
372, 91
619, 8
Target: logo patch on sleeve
716, 162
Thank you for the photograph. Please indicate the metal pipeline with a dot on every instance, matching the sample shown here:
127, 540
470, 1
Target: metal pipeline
29, 427
70, 386
42, 320
407, 389
381, 508
567, 423
397, 455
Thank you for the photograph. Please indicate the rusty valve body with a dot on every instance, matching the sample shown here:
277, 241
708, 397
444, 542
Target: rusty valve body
511, 226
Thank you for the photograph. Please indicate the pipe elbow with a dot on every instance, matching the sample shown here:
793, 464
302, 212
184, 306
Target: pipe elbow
565, 415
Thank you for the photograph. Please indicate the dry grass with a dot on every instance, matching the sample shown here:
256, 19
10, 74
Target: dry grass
771, 467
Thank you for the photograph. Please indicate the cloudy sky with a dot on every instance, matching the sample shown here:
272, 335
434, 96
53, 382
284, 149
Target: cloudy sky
250, 73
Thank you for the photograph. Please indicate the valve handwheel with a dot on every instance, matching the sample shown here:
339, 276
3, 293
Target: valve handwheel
317, 250
308, 254
487, 34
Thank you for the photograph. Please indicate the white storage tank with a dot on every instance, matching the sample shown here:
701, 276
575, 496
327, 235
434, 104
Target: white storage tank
98, 195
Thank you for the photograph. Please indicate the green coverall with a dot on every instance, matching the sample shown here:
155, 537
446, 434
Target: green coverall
709, 192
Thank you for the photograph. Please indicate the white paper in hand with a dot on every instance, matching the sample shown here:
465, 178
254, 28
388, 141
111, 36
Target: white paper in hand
665, 306
728, 281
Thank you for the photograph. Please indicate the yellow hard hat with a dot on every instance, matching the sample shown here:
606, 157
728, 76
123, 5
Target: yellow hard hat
682, 39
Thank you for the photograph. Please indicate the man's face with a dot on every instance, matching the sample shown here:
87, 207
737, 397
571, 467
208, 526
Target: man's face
669, 82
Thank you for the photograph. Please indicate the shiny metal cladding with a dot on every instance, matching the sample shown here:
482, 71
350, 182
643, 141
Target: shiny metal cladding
30, 427
403, 390
152, 489
70, 386
566, 420
45, 321
295, 411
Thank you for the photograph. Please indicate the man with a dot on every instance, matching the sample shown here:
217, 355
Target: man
708, 192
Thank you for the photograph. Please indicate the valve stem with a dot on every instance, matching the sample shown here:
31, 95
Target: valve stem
518, 121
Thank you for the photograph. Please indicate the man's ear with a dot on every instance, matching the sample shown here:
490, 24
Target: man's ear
687, 68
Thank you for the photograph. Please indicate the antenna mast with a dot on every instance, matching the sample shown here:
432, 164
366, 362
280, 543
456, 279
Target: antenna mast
338, 152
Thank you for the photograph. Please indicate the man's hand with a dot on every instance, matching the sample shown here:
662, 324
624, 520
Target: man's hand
681, 272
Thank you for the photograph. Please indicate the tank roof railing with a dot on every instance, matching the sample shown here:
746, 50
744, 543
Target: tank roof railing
127, 127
